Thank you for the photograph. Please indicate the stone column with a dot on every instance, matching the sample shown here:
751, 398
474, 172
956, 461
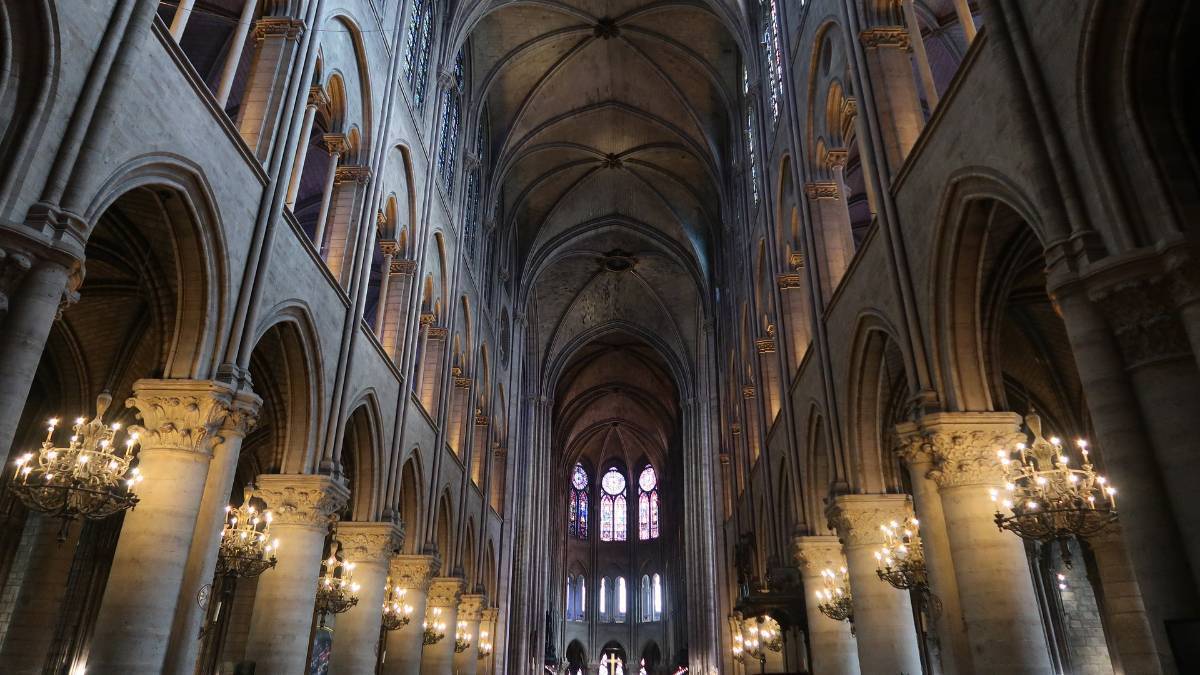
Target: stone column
281, 625
487, 636
393, 324
834, 238
999, 606
883, 618
918, 50
258, 117
370, 547
316, 98
180, 420
179, 22
32, 292
894, 91
963, 10
206, 539
831, 643
233, 57
388, 247
412, 573
336, 144
935, 542
444, 594
470, 613
1124, 614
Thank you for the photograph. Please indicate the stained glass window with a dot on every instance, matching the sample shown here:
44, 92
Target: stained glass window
648, 504
416, 56
471, 220
451, 119
621, 601
603, 602
647, 610
613, 507
658, 597
774, 58
750, 149
577, 507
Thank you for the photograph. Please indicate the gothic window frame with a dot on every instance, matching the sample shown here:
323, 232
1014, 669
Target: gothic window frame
656, 596
578, 516
620, 600
417, 51
648, 505
614, 505
450, 126
750, 135
472, 216
772, 55
603, 603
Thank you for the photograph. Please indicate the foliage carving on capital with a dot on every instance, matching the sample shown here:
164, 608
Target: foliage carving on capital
414, 571
856, 518
404, 266
370, 542
822, 189
317, 97
813, 554
438, 332
278, 26
183, 415
241, 417
305, 500
965, 455
1144, 322
885, 36
445, 591
470, 607
352, 173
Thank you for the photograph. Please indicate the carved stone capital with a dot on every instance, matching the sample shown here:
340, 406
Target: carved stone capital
447, 80
404, 266
912, 446
735, 428
837, 158
489, 616
748, 392
438, 333
335, 144
816, 553
789, 281
180, 415
765, 345
857, 518
388, 246
471, 161
370, 542
462, 383
317, 97
304, 500
470, 607
241, 417
426, 319
445, 591
965, 445
481, 420
414, 571
278, 27
1144, 321
895, 37
352, 173
822, 189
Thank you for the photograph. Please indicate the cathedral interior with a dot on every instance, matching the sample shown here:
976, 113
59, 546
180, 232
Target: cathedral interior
599, 337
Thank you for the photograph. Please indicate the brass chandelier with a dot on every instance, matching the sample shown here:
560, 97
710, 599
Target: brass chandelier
246, 547
336, 590
435, 628
462, 638
396, 613
90, 477
1046, 499
834, 601
901, 561
485, 646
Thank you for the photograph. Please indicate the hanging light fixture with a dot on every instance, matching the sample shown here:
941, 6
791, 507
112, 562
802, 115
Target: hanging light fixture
435, 628
462, 638
396, 613
834, 601
485, 645
246, 546
902, 560
90, 477
336, 590
769, 634
748, 648
1046, 499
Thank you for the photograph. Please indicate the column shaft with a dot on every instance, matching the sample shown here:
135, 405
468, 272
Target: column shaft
233, 57
832, 645
1124, 614
413, 573
179, 22
310, 114
356, 637
895, 91
444, 592
40, 598
918, 47
326, 199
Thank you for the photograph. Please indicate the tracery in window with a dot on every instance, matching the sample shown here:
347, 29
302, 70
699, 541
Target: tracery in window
576, 597
472, 217
612, 506
602, 602
416, 55
646, 600
648, 504
447, 158
772, 58
751, 151
577, 524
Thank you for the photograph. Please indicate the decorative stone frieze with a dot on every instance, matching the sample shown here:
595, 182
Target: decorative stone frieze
445, 591
370, 542
404, 266
352, 173
438, 333
414, 571
857, 518
895, 37
815, 553
765, 345
789, 281
964, 446
278, 26
1144, 321
184, 415
822, 189
301, 499
470, 607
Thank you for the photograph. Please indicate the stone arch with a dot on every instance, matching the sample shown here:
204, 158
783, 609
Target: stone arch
410, 507
822, 471
469, 561
872, 465
488, 577
175, 200
29, 55
443, 531
967, 221
360, 456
